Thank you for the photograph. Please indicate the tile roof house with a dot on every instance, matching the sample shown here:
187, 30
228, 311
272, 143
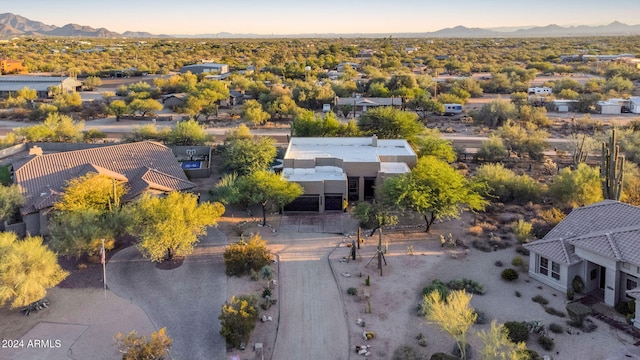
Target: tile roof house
145, 167
599, 243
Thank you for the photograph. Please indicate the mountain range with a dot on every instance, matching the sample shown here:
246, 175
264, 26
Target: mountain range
12, 25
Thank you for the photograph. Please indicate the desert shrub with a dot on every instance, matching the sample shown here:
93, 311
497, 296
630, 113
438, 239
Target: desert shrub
517, 331
498, 263
556, 328
507, 186
266, 272
577, 312
540, 300
553, 311
266, 292
406, 352
439, 286
552, 216
443, 356
487, 227
481, 317
522, 230
577, 284
253, 275
352, 291
509, 274
422, 340
481, 245
517, 262
238, 319
241, 257
475, 230
546, 343
522, 250
622, 307
527, 354
518, 294
468, 285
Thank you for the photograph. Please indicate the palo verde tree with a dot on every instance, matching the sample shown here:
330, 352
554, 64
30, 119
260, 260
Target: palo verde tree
87, 213
242, 257
498, 346
575, 188
10, 200
238, 319
27, 269
434, 190
136, 347
170, 225
56, 128
389, 123
454, 315
243, 153
188, 132
266, 189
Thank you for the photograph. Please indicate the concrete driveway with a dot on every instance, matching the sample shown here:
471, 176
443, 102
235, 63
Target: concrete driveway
312, 319
187, 300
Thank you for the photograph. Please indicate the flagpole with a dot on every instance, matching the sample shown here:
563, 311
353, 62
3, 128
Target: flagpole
104, 268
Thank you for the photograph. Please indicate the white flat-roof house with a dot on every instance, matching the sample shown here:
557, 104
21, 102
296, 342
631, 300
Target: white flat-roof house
600, 243
542, 90
334, 170
634, 104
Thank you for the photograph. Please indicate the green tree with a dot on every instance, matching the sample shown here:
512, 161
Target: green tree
434, 190
424, 105
92, 82
243, 153
135, 347
495, 113
498, 346
27, 269
508, 187
253, 113
205, 99
455, 316
242, 257
91, 191
10, 201
267, 189
117, 108
389, 123
524, 140
238, 319
374, 216
171, 225
188, 132
575, 188
87, 212
27, 94
147, 132
56, 128
492, 149
145, 107
432, 144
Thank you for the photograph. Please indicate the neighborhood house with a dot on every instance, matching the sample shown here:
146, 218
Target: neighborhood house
598, 243
144, 166
335, 170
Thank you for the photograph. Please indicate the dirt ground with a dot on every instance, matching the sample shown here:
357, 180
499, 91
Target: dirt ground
413, 261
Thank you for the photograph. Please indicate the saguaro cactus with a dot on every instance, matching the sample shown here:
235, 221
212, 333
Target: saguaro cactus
611, 169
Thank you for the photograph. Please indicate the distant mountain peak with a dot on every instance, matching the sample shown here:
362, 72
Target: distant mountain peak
15, 25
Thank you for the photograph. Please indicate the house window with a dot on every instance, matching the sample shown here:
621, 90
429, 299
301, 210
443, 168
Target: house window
544, 266
631, 284
555, 270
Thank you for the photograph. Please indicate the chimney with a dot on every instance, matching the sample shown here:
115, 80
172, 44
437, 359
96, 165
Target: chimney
374, 141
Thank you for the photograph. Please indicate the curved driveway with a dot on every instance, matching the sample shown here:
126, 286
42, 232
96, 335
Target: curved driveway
187, 300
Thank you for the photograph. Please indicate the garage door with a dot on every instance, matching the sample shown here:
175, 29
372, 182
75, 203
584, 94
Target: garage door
333, 202
304, 203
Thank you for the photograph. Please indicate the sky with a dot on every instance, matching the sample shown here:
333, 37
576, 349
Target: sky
189, 17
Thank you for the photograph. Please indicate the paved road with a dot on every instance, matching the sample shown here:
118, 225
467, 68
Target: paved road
312, 320
186, 300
